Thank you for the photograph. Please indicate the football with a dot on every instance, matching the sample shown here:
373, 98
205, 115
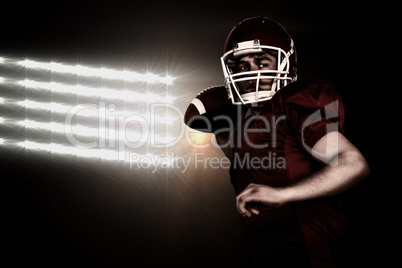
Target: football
209, 103
207, 100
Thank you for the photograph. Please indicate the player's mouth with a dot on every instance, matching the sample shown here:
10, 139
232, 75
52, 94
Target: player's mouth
248, 90
253, 88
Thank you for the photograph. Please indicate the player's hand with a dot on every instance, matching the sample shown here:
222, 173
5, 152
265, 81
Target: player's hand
256, 196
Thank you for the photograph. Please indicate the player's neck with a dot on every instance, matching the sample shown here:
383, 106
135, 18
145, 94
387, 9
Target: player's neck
254, 110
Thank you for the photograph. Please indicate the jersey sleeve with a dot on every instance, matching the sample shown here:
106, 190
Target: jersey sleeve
313, 111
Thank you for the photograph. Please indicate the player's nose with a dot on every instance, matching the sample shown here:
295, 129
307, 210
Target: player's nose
253, 67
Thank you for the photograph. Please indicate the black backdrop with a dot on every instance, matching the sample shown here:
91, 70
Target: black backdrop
59, 211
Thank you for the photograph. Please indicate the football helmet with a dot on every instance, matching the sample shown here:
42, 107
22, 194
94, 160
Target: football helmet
254, 36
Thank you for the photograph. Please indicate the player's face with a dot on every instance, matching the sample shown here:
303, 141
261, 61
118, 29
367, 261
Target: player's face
255, 62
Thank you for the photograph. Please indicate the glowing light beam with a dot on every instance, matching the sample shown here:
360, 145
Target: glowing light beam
106, 93
104, 154
84, 131
91, 110
98, 72
70, 150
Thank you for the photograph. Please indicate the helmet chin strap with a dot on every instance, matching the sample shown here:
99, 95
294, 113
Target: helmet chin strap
254, 97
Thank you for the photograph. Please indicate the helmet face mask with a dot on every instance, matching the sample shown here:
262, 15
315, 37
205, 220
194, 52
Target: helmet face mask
278, 77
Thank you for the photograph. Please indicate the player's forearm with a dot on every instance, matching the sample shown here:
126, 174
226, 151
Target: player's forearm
331, 180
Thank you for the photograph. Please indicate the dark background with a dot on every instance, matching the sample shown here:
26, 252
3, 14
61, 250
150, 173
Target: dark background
65, 212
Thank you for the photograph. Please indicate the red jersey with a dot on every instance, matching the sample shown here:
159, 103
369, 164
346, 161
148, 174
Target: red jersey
274, 148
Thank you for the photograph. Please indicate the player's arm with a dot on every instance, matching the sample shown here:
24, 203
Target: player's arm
345, 167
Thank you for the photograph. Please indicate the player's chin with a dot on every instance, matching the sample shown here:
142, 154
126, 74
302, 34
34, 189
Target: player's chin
265, 84
264, 88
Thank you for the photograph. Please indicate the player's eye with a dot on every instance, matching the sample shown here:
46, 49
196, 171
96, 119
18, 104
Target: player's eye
264, 64
243, 67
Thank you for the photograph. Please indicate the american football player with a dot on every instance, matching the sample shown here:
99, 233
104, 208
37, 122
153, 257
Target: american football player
290, 160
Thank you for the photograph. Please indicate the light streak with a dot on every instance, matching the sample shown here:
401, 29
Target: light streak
70, 150
55, 107
59, 127
91, 110
97, 72
106, 93
104, 154
85, 131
